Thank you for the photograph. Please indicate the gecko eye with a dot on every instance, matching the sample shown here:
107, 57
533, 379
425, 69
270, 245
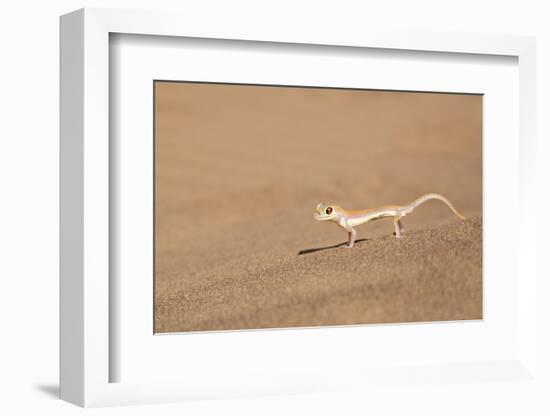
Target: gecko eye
328, 211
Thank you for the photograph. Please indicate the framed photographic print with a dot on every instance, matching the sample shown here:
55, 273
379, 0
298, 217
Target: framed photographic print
262, 213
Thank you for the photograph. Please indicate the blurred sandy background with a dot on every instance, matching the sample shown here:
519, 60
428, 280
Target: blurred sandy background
240, 169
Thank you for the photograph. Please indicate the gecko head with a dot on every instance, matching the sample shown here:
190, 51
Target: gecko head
325, 212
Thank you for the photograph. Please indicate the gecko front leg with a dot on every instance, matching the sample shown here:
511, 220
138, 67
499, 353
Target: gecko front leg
351, 237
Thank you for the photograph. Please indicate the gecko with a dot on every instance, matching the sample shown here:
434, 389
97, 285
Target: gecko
350, 219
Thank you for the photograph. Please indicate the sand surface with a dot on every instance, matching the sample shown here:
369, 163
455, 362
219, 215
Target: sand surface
240, 169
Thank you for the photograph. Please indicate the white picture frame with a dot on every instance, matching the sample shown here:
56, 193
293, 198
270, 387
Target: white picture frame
85, 221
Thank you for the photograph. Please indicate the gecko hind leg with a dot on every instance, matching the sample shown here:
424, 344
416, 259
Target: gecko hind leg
398, 226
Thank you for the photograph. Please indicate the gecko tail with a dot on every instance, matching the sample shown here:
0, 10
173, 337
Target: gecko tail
428, 197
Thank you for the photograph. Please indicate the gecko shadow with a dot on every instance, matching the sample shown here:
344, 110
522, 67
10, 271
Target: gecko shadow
313, 250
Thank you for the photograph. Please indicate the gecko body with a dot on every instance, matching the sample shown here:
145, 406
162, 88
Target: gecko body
350, 219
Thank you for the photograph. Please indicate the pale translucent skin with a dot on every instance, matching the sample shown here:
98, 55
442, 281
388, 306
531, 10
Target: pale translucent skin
350, 219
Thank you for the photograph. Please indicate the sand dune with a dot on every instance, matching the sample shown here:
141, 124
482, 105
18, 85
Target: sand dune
432, 274
240, 169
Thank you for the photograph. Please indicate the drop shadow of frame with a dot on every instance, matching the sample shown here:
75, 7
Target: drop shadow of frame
51, 390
